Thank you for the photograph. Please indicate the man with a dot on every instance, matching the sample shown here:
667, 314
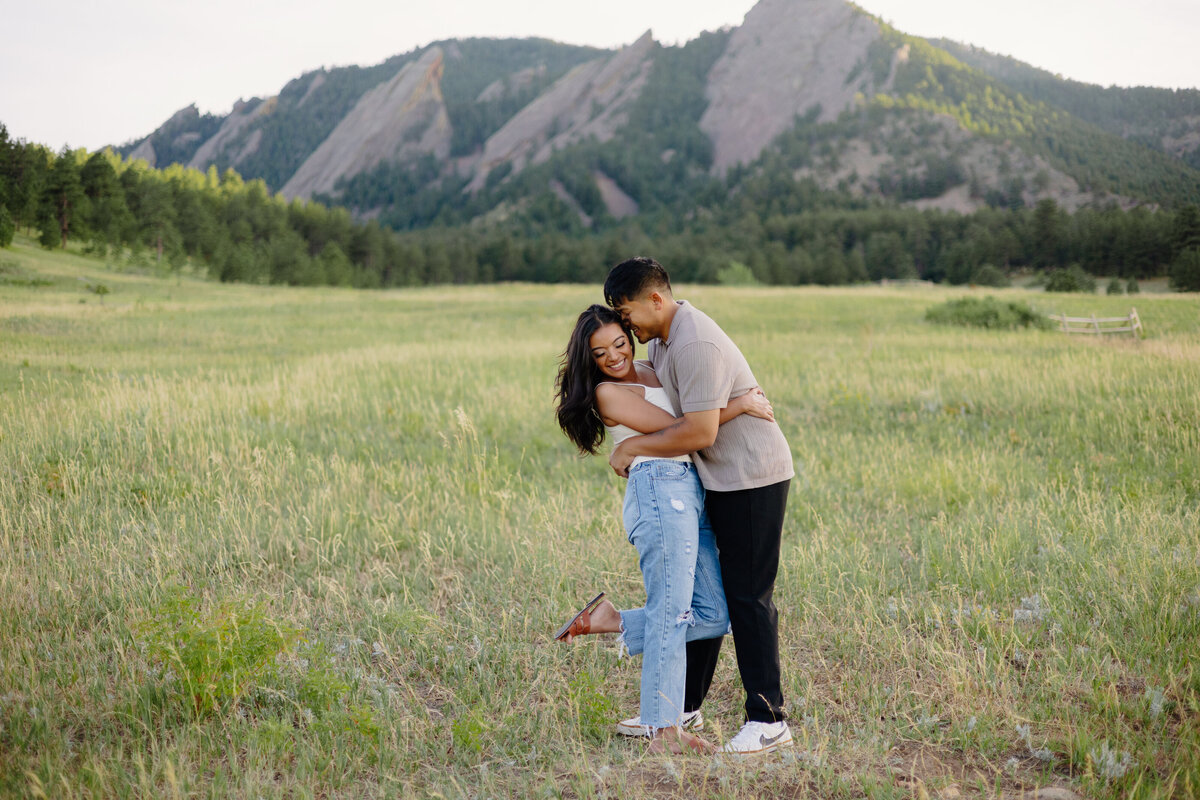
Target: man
746, 469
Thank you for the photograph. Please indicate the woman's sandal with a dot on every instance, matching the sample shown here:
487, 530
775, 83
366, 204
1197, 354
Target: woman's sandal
581, 623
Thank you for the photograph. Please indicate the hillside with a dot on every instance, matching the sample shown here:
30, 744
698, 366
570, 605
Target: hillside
947, 135
395, 121
1163, 119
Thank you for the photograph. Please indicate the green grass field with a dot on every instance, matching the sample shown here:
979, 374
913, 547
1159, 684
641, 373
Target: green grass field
267, 542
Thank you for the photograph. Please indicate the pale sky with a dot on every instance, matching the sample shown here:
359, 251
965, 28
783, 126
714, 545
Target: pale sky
89, 73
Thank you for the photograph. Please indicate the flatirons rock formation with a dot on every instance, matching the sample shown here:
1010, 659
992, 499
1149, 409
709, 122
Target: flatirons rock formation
590, 100
396, 121
180, 120
229, 134
788, 56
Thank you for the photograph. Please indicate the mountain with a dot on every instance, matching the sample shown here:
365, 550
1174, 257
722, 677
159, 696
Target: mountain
395, 121
804, 97
270, 138
588, 102
1163, 119
786, 58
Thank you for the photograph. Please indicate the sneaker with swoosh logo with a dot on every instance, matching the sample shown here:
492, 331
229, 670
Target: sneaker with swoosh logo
759, 737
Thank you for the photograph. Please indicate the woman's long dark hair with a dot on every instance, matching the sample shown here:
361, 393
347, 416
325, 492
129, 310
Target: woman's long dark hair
578, 377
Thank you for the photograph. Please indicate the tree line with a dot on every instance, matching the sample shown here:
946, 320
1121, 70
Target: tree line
232, 229
236, 230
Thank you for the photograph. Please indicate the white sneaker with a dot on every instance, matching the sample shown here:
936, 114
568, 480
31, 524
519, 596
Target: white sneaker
633, 726
759, 737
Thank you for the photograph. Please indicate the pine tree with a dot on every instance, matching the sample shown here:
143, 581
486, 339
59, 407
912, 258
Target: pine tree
1047, 234
1185, 271
61, 199
155, 210
1185, 232
107, 213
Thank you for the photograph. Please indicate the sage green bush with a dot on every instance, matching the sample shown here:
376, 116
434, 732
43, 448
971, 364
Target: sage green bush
987, 312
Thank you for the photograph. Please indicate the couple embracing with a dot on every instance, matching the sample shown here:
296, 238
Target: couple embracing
709, 472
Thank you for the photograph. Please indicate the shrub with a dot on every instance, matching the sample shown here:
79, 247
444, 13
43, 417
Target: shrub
1115, 286
1185, 271
736, 274
214, 654
986, 313
1132, 287
469, 731
987, 275
990, 276
1071, 279
594, 707
49, 236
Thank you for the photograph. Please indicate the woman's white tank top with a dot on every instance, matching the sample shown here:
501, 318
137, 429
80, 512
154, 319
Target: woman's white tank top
619, 433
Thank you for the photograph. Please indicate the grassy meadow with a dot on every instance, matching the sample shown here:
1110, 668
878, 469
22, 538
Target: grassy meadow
270, 542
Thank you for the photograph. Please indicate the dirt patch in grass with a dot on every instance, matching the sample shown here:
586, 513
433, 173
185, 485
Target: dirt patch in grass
690, 777
939, 772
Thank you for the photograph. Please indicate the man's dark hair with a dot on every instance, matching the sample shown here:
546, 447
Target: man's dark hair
633, 277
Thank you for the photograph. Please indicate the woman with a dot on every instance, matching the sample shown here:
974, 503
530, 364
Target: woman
602, 389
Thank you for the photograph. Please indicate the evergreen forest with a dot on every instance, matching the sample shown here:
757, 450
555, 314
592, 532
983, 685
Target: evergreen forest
782, 231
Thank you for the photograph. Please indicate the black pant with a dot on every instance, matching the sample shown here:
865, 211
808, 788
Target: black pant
748, 525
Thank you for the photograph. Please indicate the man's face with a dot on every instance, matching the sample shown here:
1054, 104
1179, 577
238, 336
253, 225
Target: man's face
643, 315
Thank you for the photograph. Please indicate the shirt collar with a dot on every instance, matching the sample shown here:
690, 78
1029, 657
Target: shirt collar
683, 306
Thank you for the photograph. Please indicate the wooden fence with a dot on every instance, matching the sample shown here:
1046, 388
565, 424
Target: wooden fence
1101, 325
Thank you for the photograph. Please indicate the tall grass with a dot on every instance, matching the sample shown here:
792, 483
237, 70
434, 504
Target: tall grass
296, 543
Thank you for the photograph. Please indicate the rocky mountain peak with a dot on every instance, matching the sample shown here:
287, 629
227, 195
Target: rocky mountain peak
787, 56
229, 136
396, 121
178, 124
589, 101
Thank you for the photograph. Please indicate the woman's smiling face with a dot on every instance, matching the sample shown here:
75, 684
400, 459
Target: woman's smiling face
613, 352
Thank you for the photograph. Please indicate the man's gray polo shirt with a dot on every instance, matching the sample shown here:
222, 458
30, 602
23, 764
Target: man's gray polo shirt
702, 369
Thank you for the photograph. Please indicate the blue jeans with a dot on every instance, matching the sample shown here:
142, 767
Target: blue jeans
665, 520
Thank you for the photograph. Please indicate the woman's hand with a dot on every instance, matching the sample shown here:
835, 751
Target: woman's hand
620, 459
756, 404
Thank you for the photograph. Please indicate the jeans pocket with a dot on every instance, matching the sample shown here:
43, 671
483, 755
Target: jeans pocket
664, 470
